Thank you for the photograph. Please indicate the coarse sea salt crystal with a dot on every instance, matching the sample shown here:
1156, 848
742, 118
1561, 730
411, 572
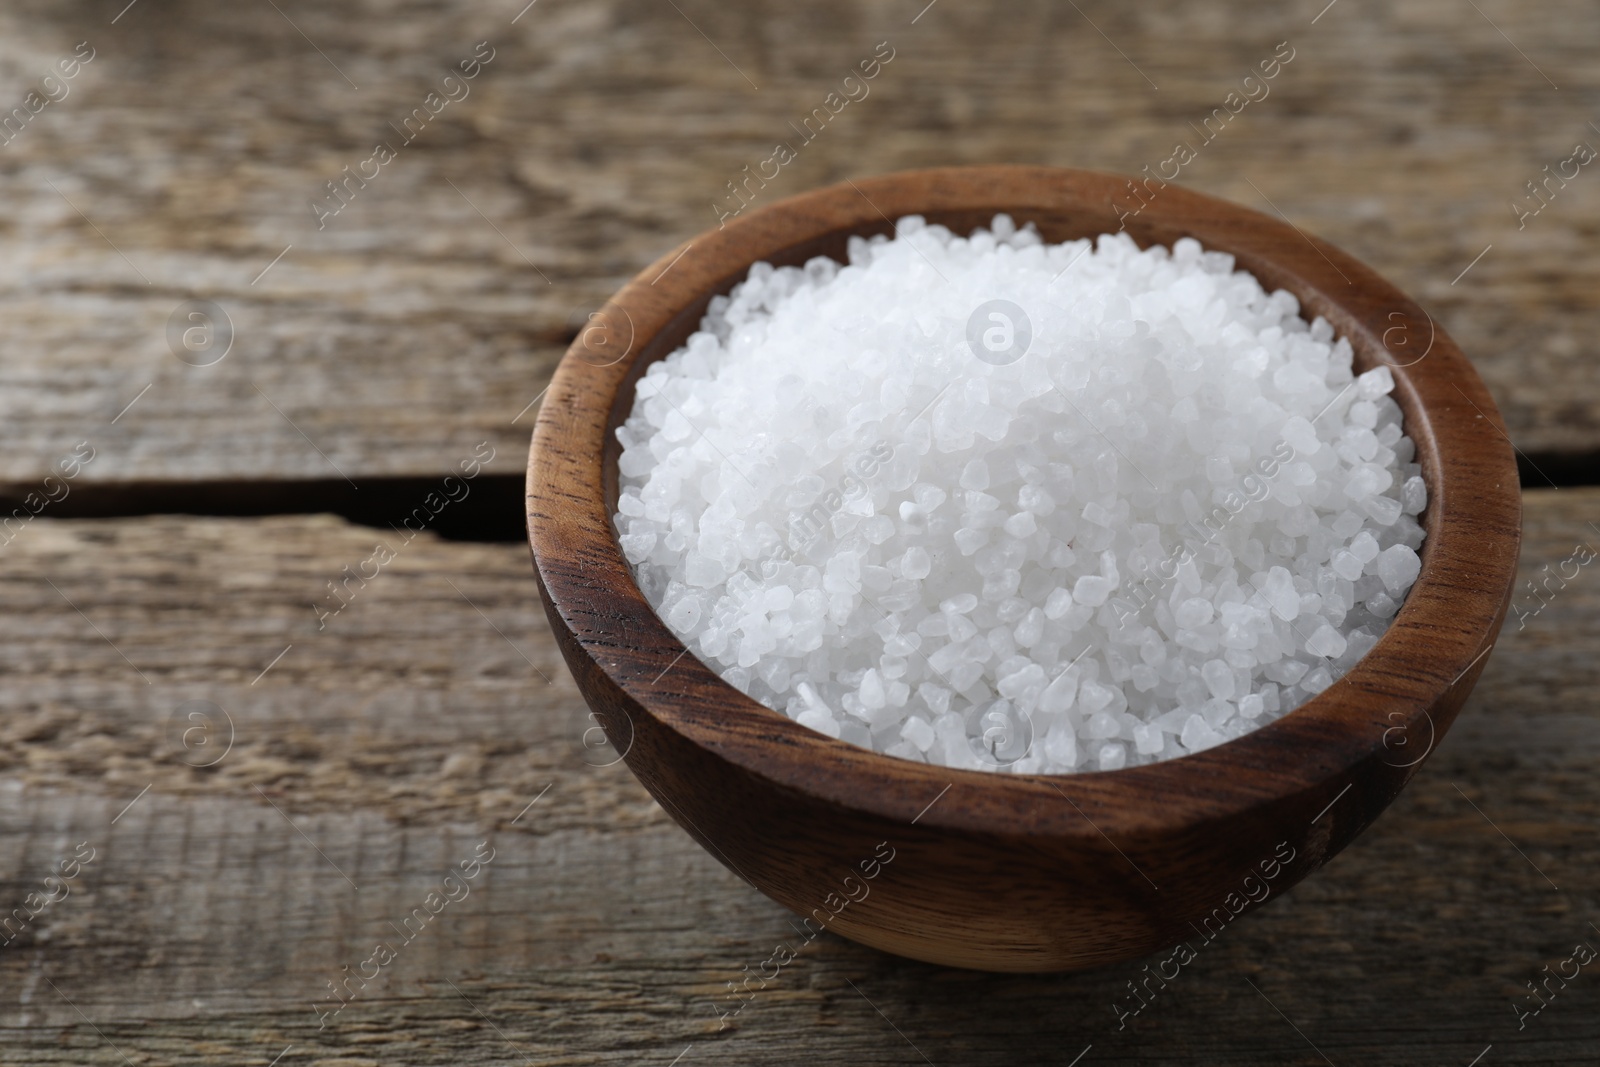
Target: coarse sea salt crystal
990, 503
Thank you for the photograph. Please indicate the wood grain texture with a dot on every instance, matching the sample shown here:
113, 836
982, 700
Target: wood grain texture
1018, 872
207, 925
411, 326
409, 330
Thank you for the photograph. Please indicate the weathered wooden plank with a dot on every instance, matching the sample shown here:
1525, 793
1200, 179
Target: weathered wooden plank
409, 730
426, 315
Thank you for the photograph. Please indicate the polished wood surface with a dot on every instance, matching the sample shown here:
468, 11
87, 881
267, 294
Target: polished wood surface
1017, 872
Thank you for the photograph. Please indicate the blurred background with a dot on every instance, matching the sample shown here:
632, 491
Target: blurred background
273, 270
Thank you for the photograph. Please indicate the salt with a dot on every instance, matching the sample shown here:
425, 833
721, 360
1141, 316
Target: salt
1145, 510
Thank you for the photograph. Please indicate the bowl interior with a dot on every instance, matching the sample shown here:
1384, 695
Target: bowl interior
1057, 226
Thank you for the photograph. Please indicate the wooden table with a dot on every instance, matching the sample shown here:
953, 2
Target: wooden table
266, 794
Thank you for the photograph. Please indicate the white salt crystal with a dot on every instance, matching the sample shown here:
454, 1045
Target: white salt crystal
1061, 747
1112, 757
1365, 481
1217, 711
1379, 381
1194, 613
637, 546
684, 614
1326, 642
1414, 495
919, 732
1346, 525
855, 520
1092, 696
1030, 630
1281, 594
820, 720
1035, 499
960, 604
1301, 435
1021, 525
1398, 566
1197, 735
1092, 590
702, 571
1383, 509
871, 692
969, 539
1346, 564
1382, 605
1218, 678
1102, 725
1364, 547
1060, 694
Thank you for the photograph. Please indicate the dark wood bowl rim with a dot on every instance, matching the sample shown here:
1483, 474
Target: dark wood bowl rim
1441, 633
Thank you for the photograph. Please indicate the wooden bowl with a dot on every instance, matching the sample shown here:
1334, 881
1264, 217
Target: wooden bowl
998, 871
